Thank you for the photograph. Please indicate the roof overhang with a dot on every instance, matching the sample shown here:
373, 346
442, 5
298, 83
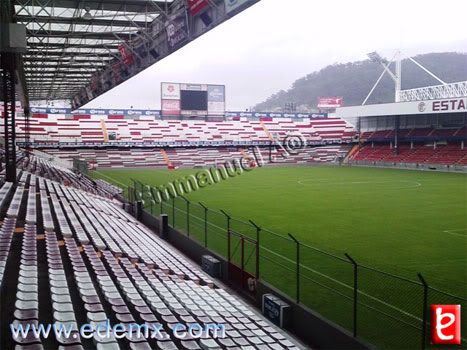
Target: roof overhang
443, 106
76, 48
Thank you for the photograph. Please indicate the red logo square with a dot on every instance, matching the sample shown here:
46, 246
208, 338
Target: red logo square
446, 324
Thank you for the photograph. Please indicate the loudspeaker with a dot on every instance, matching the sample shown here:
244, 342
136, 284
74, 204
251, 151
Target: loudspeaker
154, 53
207, 20
139, 210
164, 226
138, 62
211, 266
141, 50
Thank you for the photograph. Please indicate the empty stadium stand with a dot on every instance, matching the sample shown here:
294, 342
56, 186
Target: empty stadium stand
449, 154
98, 128
70, 254
427, 134
424, 147
189, 157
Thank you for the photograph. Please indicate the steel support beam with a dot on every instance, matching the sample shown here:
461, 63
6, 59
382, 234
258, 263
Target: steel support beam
80, 21
67, 59
27, 130
49, 56
7, 71
66, 73
136, 6
46, 46
29, 67
78, 35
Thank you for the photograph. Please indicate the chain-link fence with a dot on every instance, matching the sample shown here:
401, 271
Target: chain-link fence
384, 309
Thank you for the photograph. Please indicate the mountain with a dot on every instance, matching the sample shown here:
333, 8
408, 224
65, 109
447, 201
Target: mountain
354, 80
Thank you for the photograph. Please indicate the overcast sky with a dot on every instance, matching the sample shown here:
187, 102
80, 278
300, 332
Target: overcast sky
273, 43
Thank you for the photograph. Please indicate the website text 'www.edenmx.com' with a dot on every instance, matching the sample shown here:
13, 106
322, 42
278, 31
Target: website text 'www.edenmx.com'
118, 331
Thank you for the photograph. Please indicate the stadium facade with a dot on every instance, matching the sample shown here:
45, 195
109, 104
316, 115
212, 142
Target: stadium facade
428, 134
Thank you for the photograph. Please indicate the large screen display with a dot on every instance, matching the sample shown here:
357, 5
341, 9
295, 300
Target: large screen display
193, 100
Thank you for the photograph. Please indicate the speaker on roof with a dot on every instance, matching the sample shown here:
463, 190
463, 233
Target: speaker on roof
154, 53
207, 20
141, 51
139, 63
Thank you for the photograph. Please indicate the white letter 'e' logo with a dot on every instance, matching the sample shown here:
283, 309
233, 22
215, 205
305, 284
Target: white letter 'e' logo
439, 323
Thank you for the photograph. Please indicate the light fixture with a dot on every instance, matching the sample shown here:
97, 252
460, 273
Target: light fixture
87, 15
376, 58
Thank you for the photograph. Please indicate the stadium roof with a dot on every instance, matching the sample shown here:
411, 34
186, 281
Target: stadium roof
69, 40
449, 105
79, 49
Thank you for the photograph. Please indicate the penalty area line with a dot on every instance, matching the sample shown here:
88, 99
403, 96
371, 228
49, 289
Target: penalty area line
457, 232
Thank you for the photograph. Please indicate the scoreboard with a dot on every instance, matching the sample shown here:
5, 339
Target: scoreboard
191, 100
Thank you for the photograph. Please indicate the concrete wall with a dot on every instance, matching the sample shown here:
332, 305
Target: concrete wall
311, 327
188, 246
411, 166
306, 324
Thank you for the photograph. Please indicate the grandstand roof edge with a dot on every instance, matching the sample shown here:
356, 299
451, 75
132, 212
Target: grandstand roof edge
449, 105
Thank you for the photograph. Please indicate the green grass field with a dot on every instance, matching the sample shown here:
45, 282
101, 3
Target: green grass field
398, 221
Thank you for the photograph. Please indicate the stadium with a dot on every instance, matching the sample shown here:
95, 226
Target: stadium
336, 228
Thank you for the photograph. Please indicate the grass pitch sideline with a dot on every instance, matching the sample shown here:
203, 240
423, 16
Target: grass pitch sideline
395, 220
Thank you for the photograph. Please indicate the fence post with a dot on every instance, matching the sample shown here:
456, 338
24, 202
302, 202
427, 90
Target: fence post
297, 261
134, 190
242, 242
155, 207
173, 212
425, 307
187, 215
205, 225
228, 233
355, 292
135, 182
258, 229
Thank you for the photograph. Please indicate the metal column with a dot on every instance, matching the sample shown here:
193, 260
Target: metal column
397, 122
27, 130
7, 71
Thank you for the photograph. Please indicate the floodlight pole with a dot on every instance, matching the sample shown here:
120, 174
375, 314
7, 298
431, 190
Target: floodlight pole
442, 91
395, 76
398, 77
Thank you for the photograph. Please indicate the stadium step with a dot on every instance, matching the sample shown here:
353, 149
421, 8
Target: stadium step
73, 257
352, 153
265, 128
165, 156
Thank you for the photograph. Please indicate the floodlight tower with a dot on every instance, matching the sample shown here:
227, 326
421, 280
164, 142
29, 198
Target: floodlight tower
445, 90
397, 76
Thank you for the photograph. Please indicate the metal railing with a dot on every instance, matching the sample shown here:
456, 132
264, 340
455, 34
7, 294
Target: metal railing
384, 309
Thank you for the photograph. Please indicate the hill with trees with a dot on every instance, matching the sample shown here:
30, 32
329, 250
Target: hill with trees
354, 80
